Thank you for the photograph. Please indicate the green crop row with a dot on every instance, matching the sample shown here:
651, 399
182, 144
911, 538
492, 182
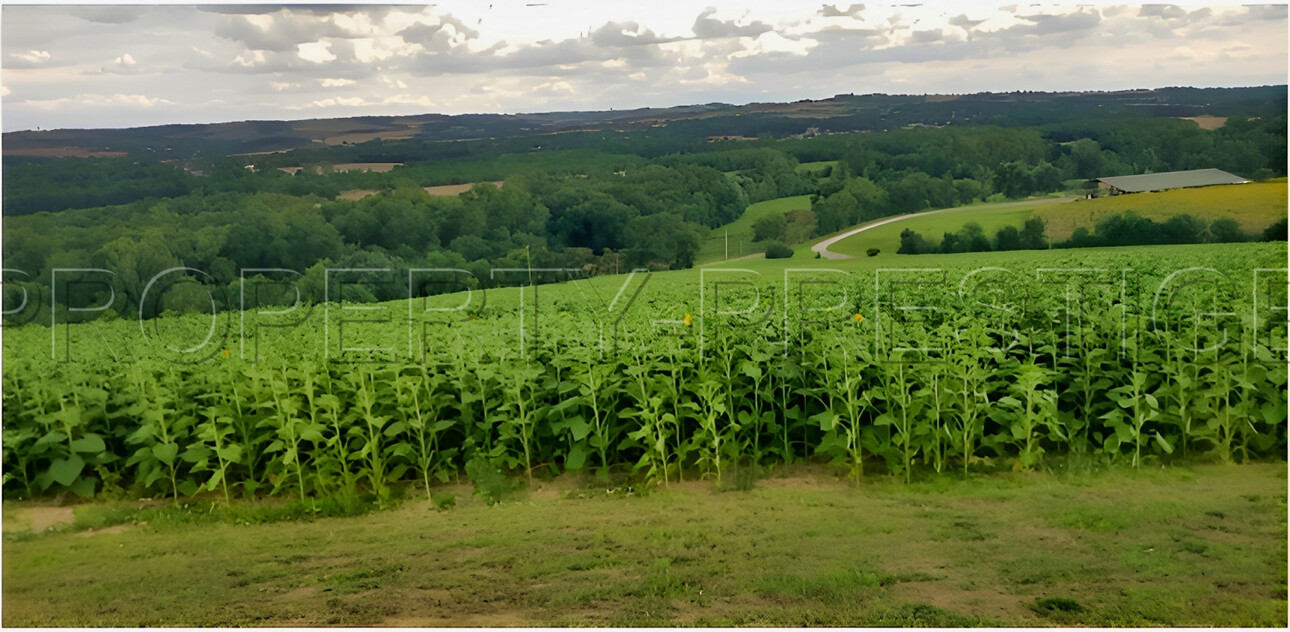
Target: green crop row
987, 387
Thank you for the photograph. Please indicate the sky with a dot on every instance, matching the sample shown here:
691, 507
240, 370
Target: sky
128, 66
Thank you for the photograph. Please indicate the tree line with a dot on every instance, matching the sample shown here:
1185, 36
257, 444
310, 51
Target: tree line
1122, 229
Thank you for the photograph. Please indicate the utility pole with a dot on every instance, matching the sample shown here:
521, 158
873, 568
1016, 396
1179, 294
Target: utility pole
727, 243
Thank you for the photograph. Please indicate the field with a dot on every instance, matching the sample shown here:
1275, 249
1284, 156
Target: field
741, 233
606, 470
1254, 206
991, 217
1203, 545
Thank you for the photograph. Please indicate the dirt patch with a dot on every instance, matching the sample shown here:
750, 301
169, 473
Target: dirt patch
456, 189
984, 603
301, 593
119, 528
1206, 122
38, 519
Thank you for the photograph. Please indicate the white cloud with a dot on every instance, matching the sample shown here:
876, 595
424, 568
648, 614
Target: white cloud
328, 82
316, 52
32, 56
92, 99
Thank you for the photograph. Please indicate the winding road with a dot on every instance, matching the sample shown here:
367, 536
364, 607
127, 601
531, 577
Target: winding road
823, 247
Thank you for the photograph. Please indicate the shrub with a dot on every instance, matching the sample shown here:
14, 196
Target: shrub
778, 250
1275, 232
490, 484
443, 500
872, 252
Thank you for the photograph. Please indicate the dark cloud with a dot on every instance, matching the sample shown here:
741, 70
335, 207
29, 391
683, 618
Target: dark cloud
436, 37
617, 34
1168, 11
831, 11
108, 15
1053, 24
1267, 11
962, 21
286, 31
927, 37
706, 27
320, 10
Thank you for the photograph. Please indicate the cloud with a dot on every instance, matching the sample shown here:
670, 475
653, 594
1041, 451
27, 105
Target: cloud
29, 59
107, 14
93, 99
706, 27
1046, 24
192, 64
618, 34
926, 37
316, 52
831, 11
962, 21
1162, 11
1267, 11
278, 31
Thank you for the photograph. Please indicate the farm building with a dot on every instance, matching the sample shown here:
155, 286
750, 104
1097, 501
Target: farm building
1169, 180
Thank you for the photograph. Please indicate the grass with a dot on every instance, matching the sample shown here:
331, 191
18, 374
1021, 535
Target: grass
1254, 206
1200, 545
741, 232
815, 168
934, 224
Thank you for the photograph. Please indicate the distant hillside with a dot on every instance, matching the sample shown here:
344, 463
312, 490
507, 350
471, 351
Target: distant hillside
842, 113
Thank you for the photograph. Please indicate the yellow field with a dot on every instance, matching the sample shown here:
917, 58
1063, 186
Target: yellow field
1254, 206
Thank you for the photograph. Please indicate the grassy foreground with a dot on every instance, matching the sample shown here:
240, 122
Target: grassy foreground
1202, 545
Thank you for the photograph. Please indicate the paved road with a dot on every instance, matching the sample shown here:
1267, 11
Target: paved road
823, 246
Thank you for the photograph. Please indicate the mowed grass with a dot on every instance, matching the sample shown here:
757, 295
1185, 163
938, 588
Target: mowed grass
1202, 545
934, 224
1254, 206
741, 232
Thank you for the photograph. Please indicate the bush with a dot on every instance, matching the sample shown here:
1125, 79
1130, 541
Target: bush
872, 252
490, 484
443, 500
1275, 232
778, 250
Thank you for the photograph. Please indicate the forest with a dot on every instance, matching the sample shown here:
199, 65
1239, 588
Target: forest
594, 201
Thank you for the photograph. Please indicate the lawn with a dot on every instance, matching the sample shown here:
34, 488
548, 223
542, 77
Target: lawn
740, 230
1199, 545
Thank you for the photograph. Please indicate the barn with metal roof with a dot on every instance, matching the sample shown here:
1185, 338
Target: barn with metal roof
1168, 180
